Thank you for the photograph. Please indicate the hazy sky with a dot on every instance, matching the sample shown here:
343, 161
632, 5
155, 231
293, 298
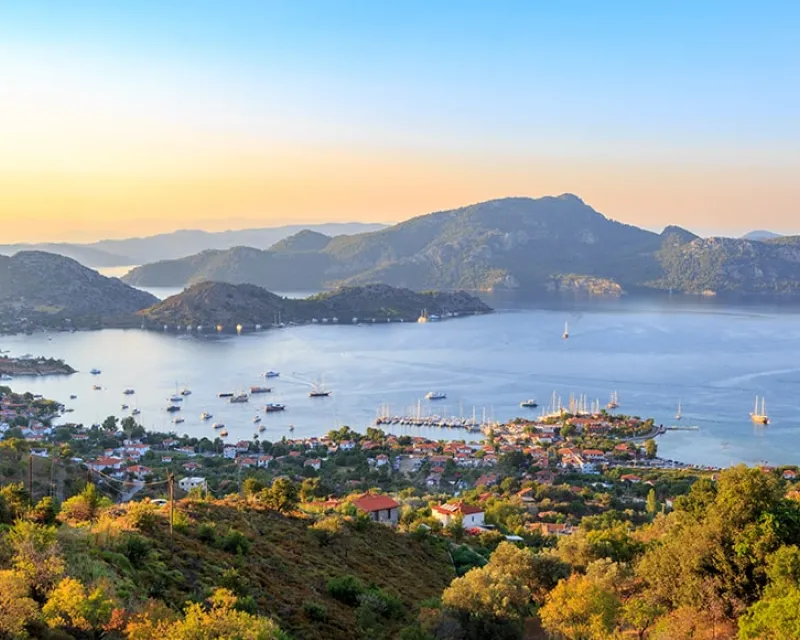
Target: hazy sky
132, 117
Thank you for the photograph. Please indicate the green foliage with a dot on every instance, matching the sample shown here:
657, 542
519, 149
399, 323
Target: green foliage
580, 608
36, 556
207, 532
86, 506
73, 606
281, 496
650, 448
17, 609
235, 542
44, 512
325, 531
345, 589
315, 611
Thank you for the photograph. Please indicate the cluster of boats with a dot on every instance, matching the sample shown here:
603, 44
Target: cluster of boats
470, 424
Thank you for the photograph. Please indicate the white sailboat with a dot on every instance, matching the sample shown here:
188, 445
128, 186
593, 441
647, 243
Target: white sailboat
566, 330
679, 415
614, 403
759, 415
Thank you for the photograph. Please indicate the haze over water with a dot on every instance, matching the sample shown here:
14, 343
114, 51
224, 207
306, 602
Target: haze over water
712, 358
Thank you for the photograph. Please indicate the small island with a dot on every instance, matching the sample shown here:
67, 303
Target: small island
34, 367
227, 307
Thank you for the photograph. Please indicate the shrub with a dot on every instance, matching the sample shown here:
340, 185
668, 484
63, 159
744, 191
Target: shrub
346, 589
315, 611
142, 515
136, 549
326, 530
235, 542
207, 532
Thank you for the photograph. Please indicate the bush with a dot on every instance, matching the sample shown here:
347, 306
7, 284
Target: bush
325, 530
142, 515
136, 549
315, 611
346, 589
236, 543
207, 532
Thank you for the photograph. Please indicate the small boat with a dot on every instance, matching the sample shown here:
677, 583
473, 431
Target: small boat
124, 406
614, 402
223, 433
565, 335
291, 427
128, 392
435, 395
95, 372
217, 425
529, 404
176, 399
205, 416
135, 412
6, 377
759, 415
186, 392
273, 407
256, 418
97, 387
272, 374
318, 392
225, 394
423, 317
177, 420
70, 410
73, 397
254, 390
262, 428
239, 398
173, 408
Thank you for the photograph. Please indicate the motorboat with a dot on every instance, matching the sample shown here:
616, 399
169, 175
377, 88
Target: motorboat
273, 407
205, 416
128, 392
225, 394
262, 428
135, 412
178, 420
435, 395
173, 408
97, 387
272, 374
256, 418
217, 425
186, 392
239, 398
124, 407
95, 372
176, 399
529, 404
73, 397
223, 433
254, 390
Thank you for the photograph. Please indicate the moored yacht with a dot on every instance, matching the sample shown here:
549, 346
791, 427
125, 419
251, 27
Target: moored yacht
273, 407
205, 416
435, 395
254, 390
239, 398
529, 404
272, 374
759, 414
128, 392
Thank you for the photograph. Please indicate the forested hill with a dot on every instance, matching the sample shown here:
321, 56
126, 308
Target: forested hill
526, 244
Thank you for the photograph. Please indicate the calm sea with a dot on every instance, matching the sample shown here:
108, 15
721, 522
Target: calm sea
713, 359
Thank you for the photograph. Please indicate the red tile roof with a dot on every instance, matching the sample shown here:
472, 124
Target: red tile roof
370, 502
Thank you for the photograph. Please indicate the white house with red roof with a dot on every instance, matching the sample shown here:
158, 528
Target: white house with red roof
379, 508
471, 516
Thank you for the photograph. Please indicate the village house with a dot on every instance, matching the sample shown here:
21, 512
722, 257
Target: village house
789, 474
379, 508
264, 461
551, 529
471, 516
138, 471
229, 452
314, 463
629, 477
193, 482
105, 463
248, 462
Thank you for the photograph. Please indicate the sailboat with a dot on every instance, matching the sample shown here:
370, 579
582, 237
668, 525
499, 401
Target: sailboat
760, 416
679, 415
566, 330
614, 403
423, 317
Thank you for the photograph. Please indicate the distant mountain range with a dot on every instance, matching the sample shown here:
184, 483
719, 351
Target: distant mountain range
212, 304
761, 234
44, 288
532, 245
178, 244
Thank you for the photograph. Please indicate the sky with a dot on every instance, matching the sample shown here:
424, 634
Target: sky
129, 118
